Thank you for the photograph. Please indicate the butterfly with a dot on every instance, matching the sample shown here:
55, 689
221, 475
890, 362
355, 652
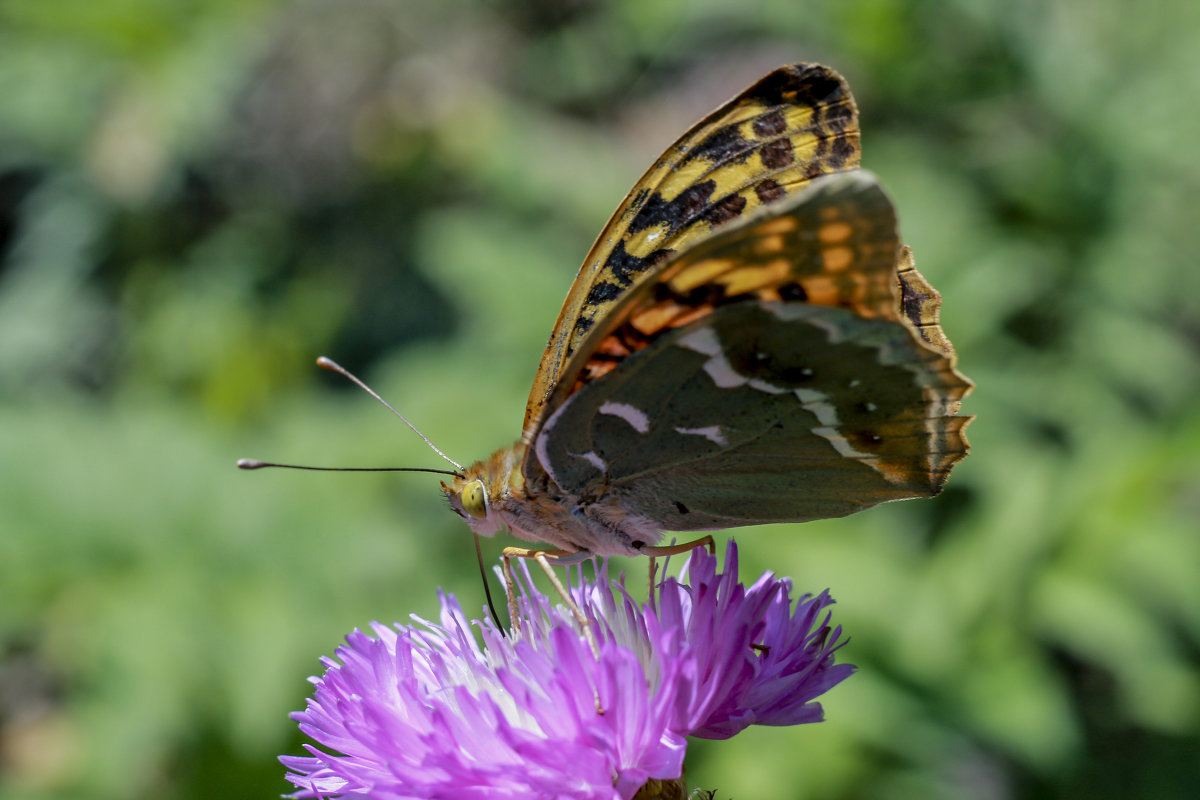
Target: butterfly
747, 342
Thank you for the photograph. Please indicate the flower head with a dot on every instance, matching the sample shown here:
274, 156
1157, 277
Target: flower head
429, 710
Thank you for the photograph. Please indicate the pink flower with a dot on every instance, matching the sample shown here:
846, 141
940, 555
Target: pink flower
427, 710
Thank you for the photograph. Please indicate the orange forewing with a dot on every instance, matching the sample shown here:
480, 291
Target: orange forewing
797, 123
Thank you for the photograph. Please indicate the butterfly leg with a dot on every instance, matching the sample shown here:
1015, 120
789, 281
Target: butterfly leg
510, 584
672, 550
653, 573
542, 557
514, 618
676, 549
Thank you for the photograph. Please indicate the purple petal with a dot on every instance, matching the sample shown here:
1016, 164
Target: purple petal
437, 709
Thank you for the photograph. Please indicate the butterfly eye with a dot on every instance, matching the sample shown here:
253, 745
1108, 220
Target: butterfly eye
474, 499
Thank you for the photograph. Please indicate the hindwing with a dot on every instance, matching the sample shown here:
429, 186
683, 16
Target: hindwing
789, 366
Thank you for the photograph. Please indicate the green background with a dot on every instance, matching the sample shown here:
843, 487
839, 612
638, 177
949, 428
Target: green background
198, 198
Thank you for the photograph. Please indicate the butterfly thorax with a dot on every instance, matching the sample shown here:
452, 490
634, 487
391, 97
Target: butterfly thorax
493, 494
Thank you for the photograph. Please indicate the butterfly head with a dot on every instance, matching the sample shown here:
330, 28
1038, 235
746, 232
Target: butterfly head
478, 493
469, 499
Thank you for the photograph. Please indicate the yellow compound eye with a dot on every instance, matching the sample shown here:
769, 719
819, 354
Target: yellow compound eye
474, 499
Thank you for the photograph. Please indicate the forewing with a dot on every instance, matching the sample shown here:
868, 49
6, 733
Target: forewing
770, 373
797, 123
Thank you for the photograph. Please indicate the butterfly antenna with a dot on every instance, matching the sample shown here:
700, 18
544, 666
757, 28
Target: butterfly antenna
333, 366
253, 463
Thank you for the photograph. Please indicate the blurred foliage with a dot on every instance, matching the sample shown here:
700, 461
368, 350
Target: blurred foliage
197, 198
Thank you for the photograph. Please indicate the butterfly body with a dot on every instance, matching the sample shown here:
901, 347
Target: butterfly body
747, 343
541, 512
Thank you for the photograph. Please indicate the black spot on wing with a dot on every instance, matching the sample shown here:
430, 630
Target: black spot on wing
770, 124
725, 209
843, 149
674, 213
706, 294
769, 191
723, 145
793, 292
604, 292
822, 149
837, 116
681, 508
777, 154
625, 267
